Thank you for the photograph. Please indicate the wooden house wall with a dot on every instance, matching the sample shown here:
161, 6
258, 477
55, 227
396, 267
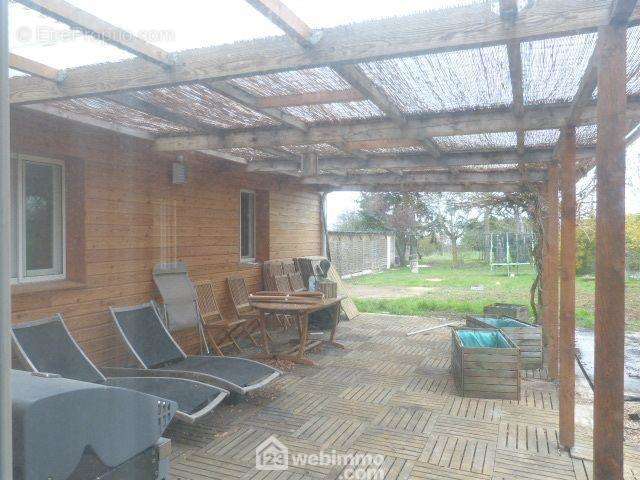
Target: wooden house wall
124, 216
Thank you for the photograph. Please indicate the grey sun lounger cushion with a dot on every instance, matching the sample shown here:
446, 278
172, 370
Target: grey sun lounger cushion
154, 348
47, 346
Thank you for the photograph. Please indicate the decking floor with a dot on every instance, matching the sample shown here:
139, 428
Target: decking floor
392, 395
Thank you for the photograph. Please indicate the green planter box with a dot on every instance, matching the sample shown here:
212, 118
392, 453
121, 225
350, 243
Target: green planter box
485, 364
527, 337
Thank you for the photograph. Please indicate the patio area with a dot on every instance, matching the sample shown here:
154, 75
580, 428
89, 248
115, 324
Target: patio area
392, 395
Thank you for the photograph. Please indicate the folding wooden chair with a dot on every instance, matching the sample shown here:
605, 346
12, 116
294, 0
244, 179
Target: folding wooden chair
240, 298
296, 283
282, 284
214, 324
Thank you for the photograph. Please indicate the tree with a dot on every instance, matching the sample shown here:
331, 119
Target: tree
407, 214
453, 216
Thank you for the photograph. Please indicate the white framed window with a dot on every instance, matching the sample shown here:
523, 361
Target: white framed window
37, 219
247, 226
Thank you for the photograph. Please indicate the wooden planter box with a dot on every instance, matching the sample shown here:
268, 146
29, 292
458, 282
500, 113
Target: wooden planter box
485, 372
519, 312
527, 337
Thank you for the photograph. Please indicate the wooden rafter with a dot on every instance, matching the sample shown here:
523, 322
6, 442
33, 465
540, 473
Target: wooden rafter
313, 98
551, 116
427, 187
539, 157
511, 176
620, 12
509, 14
412, 35
286, 20
141, 105
252, 102
90, 24
31, 67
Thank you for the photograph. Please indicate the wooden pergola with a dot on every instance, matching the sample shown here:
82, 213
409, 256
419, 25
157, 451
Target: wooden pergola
351, 108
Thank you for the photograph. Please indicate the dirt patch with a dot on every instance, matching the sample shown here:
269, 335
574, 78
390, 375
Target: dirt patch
388, 292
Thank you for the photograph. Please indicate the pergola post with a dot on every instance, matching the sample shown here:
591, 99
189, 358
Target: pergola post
610, 254
6, 470
568, 288
550, 272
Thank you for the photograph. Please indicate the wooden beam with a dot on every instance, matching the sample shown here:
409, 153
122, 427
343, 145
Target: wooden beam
251, 102
313, 98
359, 80
90, 121
551, 116
568, 290
427, 178
225, 156
310, 164
285, 19
619, 13
78, 19
31, 67
509, 14
608, 434
141, 105
551, 267
540, 157
461, 28
426, 187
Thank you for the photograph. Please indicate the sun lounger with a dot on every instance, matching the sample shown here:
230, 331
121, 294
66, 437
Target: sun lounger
47, 346
155, 349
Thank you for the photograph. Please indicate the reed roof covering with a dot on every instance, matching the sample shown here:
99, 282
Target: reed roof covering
417, 108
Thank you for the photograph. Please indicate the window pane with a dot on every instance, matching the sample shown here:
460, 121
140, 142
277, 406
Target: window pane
42, 219
246, 219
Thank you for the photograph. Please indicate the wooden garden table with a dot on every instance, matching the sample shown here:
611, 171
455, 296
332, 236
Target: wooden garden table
289, 305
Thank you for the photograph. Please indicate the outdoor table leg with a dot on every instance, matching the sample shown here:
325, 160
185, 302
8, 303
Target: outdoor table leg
263, 332
304, 328
336, 320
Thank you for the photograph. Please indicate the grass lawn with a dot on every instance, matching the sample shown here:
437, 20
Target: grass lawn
469, 288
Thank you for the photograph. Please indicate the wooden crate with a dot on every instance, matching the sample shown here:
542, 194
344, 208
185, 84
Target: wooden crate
483, 372
527, 337
511, 310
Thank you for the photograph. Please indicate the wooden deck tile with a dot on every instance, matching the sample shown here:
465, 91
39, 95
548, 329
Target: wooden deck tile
364, 412
275, 475
526, 466
300, 402
429, 401
458, 453
276, 420
408, 419
333, 432
530, 438
364, 466
462, 427
424, 471
442, 384
201, 467
391, 443
474, 408
239, 445
368, 394
392, 396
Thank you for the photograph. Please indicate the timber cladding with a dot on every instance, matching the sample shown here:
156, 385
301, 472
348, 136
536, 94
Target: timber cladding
485, 372
133, 218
